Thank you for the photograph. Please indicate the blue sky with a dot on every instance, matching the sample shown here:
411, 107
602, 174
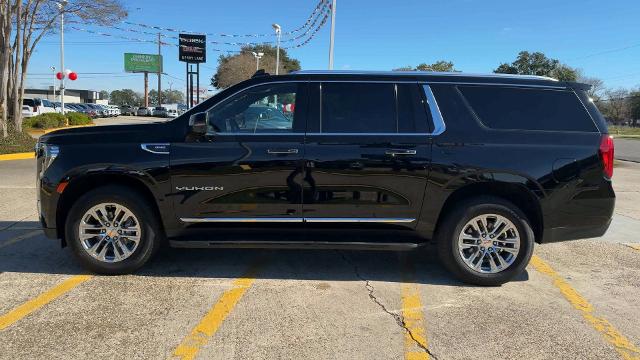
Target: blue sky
599, 37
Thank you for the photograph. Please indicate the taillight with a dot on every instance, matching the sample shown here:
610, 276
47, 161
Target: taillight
606, 153
35, 109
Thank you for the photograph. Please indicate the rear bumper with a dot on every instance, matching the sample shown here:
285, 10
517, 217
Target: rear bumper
574, 233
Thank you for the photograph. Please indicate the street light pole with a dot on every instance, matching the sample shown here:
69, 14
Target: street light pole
333, 33
61, 5
258, 56
53, 69
278, 30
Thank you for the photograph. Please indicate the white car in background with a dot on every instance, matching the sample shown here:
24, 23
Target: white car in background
36, 106
172, 113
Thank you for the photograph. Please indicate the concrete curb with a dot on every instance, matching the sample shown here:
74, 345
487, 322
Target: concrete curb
37, 133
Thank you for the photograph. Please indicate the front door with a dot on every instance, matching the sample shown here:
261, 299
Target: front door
367, 154
248, 166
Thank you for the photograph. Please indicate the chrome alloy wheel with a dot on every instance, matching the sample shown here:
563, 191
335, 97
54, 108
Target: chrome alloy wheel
489, 243
109, 232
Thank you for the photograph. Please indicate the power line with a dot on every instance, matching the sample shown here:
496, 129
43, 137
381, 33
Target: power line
605, 52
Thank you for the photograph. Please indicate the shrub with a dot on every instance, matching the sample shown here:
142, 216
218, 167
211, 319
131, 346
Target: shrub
16, 142
44, 121
76, 118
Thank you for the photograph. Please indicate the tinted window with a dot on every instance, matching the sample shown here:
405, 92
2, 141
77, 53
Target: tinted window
46, 103
266, 108
528, 109
29, 102
358, 108
413, 116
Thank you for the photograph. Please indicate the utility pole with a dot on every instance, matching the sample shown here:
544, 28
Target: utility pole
333, 33
160, 70
146, 89
61, 5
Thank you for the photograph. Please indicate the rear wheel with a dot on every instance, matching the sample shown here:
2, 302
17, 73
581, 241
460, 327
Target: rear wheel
112, 231
485, 241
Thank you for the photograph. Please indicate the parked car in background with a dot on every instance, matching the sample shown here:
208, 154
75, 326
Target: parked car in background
37, 106
143, 111
127, 110
115, 110
86, 109
100, 111
172, 113
159, 111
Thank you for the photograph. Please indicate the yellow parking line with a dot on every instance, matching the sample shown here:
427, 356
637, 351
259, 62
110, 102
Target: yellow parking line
211, 322
412, 313
634, 246
30, 306
17, 156
623, 346
20, 238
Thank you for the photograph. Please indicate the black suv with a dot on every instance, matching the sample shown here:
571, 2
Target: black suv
483, 165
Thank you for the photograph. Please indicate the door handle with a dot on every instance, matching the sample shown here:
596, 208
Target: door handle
282, 151
396, 152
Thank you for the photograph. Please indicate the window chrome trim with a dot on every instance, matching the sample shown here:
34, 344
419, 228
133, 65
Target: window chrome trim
521, 85
439, 126
298, 220
368, 134
145, 147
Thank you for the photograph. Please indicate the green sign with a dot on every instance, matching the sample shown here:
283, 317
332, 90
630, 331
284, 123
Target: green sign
142, 63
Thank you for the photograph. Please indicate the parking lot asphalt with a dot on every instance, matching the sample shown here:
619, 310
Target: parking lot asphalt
577, 300
627, 149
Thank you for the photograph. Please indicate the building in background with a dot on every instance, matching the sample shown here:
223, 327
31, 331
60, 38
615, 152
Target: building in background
70, 95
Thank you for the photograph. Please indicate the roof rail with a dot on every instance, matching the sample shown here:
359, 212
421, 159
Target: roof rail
419, 73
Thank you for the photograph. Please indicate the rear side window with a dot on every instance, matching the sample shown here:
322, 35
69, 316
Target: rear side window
528, 109
372, 108
28, 102
358, 108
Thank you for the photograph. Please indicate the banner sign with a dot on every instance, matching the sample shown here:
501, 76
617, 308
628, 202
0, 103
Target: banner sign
193, 48
142, 63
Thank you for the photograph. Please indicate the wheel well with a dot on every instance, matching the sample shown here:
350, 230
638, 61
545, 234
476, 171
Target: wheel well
521, 197
80, 186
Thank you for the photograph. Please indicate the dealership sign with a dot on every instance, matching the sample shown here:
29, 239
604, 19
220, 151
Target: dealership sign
193, 48
142, 63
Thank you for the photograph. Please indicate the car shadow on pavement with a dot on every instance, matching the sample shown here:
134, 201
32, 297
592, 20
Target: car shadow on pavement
41, 255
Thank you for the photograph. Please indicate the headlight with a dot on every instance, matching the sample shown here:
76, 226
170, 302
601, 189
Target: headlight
48, 153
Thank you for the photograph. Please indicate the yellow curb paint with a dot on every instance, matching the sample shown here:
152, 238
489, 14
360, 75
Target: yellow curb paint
413, 316
18, 156
30, 306
211, 322
20, 238
623, 346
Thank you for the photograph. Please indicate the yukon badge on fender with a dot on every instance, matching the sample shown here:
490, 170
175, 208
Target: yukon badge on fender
200, 188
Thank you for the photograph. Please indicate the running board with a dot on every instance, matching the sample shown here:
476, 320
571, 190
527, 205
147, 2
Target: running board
206, 244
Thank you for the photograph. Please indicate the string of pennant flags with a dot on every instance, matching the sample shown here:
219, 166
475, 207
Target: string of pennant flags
316, 24
312, 27
322, 7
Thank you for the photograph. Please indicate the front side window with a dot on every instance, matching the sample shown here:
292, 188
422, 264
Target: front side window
268, 108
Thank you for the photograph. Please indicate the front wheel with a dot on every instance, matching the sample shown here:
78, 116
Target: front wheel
485, 241
111, 230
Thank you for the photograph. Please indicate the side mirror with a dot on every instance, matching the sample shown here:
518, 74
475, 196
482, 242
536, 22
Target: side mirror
198, 123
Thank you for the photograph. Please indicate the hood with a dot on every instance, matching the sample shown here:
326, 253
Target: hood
153, 132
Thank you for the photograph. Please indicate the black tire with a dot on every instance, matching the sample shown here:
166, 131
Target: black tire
151, 232
452, 225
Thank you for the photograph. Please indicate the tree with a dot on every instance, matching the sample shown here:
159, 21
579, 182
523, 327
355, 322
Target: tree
597, 85
634, 107
615, 106
104, 95
538, 64
233, 69
23, 23
440, 66
125, 97
168, 97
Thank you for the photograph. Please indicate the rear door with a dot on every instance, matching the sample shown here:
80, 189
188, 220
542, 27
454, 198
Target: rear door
248, 167
368, 153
